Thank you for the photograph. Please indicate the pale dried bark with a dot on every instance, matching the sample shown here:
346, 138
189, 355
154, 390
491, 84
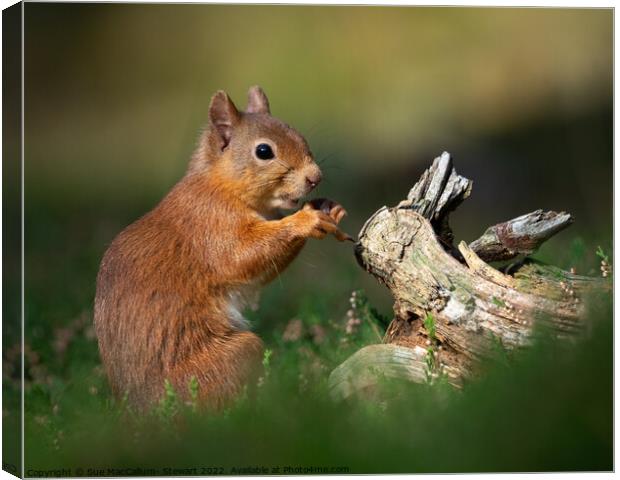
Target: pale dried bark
474, 306
519, 236
393, 361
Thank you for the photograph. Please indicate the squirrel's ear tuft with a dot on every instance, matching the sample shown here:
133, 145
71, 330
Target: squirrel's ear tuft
223, 116
257, 100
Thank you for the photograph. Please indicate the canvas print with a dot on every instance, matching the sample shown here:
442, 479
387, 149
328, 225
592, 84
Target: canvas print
296, 239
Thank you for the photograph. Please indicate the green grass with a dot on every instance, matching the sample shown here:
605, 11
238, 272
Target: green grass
547, 408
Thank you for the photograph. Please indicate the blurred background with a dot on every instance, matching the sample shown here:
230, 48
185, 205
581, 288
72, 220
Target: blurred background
117, 94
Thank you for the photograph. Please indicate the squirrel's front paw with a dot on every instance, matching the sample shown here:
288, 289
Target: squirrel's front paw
331, 208
321, 217
314, 223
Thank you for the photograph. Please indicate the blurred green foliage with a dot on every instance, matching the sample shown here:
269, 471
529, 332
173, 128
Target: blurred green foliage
115, 97
545, 409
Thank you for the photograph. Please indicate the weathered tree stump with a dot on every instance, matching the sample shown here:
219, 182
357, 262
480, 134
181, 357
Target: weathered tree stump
450, 304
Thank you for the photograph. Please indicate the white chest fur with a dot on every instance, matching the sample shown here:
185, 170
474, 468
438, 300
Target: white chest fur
239, 300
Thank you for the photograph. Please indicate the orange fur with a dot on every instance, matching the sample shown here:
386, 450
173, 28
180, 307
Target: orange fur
172, 285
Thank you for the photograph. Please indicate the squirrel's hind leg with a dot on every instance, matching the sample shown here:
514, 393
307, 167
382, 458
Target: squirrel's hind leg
222, 369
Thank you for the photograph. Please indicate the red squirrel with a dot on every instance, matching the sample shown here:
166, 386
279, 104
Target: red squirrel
172, 286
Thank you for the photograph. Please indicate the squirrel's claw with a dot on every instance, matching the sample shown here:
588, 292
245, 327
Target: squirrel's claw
342, 236
338, 213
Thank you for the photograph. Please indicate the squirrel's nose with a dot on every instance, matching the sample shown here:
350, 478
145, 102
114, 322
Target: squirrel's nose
313, 181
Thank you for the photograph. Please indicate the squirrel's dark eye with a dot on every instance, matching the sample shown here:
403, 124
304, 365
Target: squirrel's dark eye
264, 152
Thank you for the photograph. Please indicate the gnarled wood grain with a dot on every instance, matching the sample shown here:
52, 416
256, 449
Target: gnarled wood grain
473, 306
519, 236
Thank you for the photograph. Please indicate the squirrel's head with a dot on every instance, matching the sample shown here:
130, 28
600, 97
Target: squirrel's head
268, 162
